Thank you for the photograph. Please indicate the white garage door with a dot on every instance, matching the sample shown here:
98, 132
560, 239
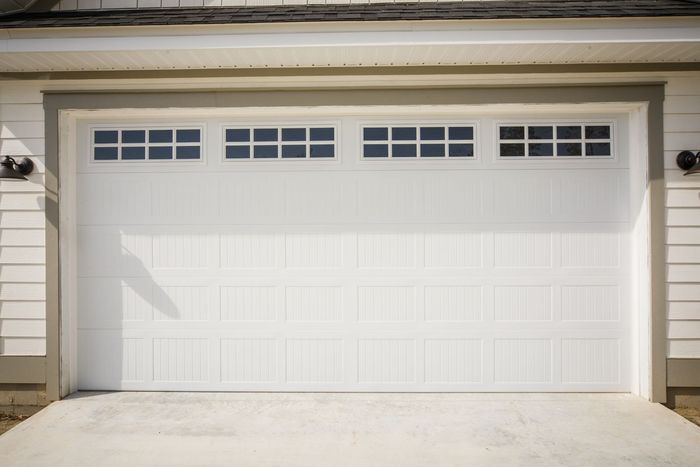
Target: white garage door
364, 253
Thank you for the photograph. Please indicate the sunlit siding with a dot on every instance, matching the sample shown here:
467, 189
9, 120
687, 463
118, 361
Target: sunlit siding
682, 132
22, 255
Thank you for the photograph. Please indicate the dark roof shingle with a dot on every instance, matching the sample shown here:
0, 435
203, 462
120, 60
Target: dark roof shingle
469, 10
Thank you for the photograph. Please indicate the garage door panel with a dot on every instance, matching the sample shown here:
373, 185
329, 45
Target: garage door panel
353, 275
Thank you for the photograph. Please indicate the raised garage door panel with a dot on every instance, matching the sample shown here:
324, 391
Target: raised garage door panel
353, 275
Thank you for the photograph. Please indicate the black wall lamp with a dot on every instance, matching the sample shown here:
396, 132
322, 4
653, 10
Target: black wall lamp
10, 169
689, 161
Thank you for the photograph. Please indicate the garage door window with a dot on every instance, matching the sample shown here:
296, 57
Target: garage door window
141, 144
563, 140
280, 142
417, 141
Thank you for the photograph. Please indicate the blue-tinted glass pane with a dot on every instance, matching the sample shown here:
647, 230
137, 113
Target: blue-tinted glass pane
106, 154
133, 136
160, 136
237, 135
293, 134
540, 149
237, 152
540, 132
322, 134
265, 152
106, 137
375, 134
265, 134
598, 132
160, 152
187, 152
322, 150
569, 149
376, 150
569, 132
432, 150
293, 150
461, 132
133, 153
428, 133
403, 150
188, 136
511, 132
597, 149
461, 150
403, 134
512, 150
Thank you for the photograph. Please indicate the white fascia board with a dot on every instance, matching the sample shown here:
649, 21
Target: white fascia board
201, 38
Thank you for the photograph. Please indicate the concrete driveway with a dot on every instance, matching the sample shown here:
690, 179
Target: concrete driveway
427, 430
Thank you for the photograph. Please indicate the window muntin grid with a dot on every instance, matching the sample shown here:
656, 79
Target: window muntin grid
565, 140
146, 144
275, 142
410, 142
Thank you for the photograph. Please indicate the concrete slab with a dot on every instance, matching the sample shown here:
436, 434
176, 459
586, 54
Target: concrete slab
427, 430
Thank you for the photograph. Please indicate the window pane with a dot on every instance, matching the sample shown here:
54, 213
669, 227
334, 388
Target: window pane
432, 150
322, 134
597, 132
160, 136
293, 134
265, 152
434, 133
322, 150
568, 149
461, 150
237, 135
188, 136
160, 152
512, 150
237, 152
512, 132
106, 154
106, 137
133, 153
376, 150
133, 136
461, 132
187, 152
540, 132
403, 134
540, 149
375, 134
403, 150
569, 132
265, 134
294, 150
597, 149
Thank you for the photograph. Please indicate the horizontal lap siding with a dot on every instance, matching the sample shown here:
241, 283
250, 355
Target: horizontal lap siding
66, 5
22, 236
682, 132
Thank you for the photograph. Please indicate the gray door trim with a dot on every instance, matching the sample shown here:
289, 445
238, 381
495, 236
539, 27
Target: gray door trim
650, 93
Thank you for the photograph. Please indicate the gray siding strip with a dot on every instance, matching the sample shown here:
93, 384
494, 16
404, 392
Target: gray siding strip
22, 370
683, 372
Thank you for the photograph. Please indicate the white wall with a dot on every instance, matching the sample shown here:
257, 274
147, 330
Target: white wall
22, 306
112, 4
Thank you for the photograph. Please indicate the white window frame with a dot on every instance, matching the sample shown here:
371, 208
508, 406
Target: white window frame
554, 123
337, 143
110, 126
398, 123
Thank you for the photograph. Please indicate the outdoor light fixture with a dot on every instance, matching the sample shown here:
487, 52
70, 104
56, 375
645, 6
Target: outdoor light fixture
10, 169
689, 161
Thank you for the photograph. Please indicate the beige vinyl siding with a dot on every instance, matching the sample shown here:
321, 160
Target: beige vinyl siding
682, 132
22, 255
